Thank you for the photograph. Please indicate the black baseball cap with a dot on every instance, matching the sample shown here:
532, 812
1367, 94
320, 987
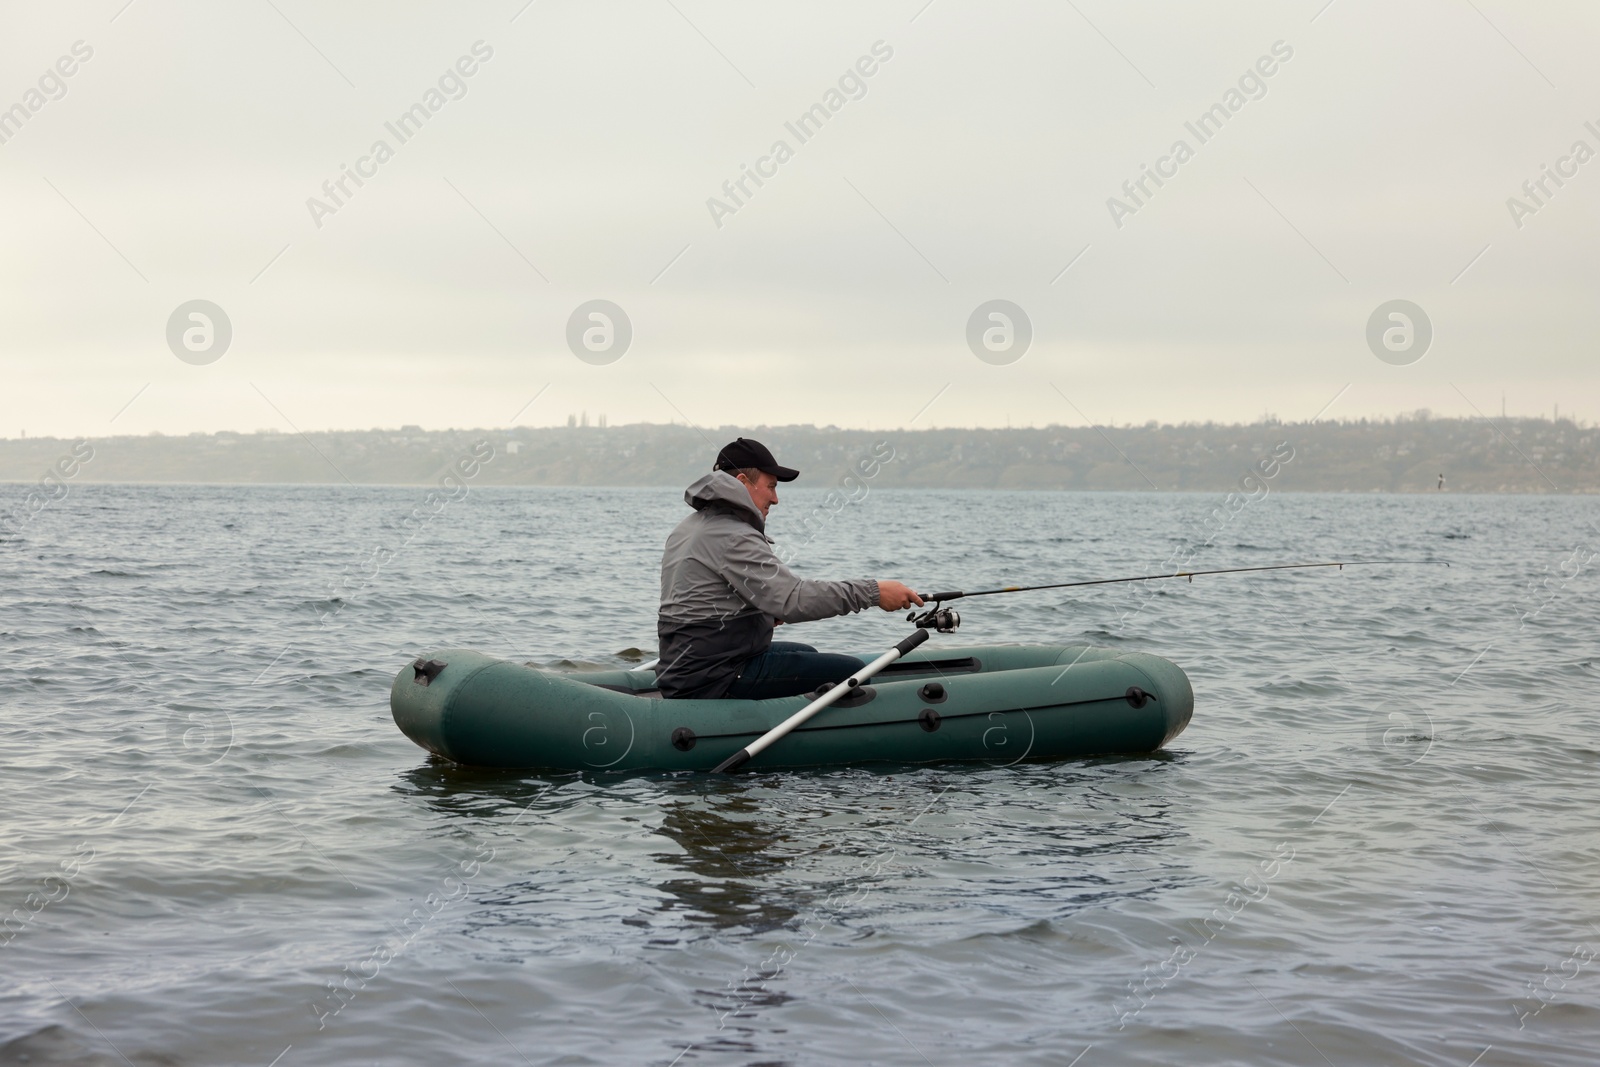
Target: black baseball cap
744, 454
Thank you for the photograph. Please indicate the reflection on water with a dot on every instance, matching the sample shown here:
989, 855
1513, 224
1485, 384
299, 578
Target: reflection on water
733, 854
775, 873
473, 792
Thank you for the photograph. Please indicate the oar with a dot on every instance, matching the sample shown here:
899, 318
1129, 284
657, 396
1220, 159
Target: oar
1191, 575
838, 692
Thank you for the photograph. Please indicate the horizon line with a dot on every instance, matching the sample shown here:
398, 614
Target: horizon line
1266, 420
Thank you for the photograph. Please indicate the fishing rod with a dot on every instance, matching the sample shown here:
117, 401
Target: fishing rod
945, 621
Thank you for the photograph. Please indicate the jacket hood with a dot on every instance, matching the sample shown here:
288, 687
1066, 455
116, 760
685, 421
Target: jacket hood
724, 490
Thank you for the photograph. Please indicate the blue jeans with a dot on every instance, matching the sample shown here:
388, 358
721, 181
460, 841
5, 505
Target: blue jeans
788, 669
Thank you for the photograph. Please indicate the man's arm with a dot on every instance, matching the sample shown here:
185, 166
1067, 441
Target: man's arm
760, 578
896, 596
892, 596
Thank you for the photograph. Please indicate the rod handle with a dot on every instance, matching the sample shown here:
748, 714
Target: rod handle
912, 640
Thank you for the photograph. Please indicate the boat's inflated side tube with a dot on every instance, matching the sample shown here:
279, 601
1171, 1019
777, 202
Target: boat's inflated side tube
1000, 704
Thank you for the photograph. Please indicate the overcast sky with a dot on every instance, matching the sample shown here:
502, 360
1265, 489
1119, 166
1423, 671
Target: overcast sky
179, 161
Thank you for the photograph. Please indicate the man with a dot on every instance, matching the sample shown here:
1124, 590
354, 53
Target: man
723, 589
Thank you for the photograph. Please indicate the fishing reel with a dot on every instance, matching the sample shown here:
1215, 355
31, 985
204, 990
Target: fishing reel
939, 619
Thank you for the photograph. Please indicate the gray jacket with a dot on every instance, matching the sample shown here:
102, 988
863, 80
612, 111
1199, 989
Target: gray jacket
721, 587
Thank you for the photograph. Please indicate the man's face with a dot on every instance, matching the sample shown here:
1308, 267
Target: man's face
763, 491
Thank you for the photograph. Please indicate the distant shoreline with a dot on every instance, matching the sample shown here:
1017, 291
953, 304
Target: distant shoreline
1146, 491
1406, 456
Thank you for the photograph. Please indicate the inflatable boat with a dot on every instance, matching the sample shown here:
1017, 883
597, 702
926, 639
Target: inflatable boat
995, 704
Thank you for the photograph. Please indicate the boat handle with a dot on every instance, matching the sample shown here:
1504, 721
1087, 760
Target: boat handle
427, 670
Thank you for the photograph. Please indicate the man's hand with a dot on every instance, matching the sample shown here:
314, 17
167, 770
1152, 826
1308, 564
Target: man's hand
895, 596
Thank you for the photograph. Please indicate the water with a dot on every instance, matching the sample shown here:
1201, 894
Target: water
1375, 834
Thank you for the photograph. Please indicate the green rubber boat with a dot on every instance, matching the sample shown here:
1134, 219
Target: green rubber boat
994, 704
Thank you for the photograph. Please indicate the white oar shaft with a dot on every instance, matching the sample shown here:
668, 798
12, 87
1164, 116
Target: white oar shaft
837, 693
827, 699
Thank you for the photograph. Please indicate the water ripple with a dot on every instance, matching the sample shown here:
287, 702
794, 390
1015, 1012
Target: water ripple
1373, 844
